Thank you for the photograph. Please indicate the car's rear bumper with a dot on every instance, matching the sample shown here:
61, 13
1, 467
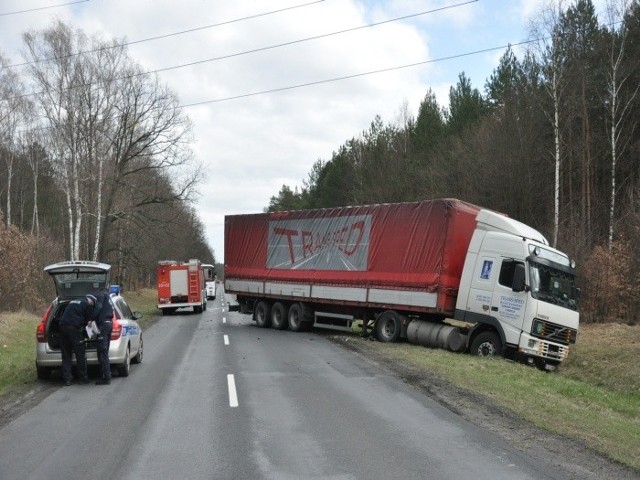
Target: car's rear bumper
52, 358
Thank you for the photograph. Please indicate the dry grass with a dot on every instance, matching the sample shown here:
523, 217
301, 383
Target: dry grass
606, 355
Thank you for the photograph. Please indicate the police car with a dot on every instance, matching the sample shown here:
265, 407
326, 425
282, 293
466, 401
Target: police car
75, 279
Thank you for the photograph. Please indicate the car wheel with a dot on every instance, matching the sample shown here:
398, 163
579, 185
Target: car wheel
138, 357
123, 370
43, 373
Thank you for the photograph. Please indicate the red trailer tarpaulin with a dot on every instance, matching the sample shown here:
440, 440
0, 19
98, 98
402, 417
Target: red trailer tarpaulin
418, 245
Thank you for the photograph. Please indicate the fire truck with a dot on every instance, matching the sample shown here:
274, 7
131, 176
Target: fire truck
181, 285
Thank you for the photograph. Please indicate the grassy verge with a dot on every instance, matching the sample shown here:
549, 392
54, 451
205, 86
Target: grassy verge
17, 351
594, 397
144, 301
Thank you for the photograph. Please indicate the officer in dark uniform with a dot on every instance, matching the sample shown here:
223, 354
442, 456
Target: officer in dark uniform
103, 316
75, 317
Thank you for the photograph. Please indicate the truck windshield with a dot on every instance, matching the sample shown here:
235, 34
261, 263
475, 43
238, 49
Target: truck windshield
555, 286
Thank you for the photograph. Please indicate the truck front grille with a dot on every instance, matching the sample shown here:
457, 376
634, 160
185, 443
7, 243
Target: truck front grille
553, 332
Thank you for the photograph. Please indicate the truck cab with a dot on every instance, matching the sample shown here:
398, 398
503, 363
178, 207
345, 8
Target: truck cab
515, 287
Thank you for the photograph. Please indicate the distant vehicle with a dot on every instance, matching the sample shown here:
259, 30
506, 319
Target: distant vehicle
73, 280
440, 273
210, 280
181, 285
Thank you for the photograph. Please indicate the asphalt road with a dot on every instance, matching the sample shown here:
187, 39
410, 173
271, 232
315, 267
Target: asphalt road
218, 398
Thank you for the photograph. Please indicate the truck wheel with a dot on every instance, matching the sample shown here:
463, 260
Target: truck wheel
279, 319
388, 327
486, 344
262, 314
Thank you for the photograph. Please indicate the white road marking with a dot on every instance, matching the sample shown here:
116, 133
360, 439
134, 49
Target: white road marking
226, 339
224, 319
233, 396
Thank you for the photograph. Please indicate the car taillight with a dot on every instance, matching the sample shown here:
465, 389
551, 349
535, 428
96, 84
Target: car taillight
116, 331
41, 329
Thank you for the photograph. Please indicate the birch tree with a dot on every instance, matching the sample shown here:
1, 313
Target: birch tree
115, 132
548, 47
619, 106
12, 115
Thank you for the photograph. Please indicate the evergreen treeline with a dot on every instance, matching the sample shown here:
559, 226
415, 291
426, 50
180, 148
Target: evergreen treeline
95, 164
552, 141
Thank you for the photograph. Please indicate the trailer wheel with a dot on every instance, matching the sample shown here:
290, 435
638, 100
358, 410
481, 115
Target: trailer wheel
262, 314
279, 319
388, 326
486, 344
296, 318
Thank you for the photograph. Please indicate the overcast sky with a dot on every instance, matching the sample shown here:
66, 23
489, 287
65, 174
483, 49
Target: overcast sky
252, 145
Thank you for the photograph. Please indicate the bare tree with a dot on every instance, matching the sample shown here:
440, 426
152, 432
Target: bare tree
618, 105
108, 121
12, 116
551, 59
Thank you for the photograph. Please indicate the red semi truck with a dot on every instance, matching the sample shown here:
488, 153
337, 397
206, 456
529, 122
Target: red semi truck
181, 285
440, 273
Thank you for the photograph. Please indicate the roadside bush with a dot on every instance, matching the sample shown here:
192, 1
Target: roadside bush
22, 257
610, 285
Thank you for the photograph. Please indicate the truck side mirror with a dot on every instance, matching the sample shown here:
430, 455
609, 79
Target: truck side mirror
518, 284
577, 293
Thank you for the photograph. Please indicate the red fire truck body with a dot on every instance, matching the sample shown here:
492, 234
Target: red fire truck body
181, 285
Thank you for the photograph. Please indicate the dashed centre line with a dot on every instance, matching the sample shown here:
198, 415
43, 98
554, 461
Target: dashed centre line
233, 395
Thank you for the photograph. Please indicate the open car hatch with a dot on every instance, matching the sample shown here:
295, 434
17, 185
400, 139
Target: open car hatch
77, 278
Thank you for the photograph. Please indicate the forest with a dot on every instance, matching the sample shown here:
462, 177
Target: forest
95, 166
552, 141
98, 165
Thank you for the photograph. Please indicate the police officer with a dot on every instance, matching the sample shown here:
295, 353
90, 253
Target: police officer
75, 317
103, 316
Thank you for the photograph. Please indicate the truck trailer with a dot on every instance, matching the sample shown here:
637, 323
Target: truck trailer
439, 273
181, 285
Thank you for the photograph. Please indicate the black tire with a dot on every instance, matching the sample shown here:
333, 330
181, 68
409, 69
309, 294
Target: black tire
197, 309
43, 373
486, 344
279, 319
262, 314
123, 369
296, 318
388, 326
140, 354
